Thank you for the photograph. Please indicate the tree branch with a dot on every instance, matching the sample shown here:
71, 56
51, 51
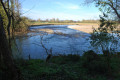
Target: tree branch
115, 10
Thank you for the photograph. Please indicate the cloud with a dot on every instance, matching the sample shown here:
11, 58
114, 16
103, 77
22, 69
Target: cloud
68, 5
73, 7
34, 14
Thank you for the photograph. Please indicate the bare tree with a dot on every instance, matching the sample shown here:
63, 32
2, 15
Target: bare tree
5, 48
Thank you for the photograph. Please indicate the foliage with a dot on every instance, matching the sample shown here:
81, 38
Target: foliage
56, 20
106, 36
94, 63
90, 55
62, 59
18, 22
5, 21
110, 7
95, 68
22, 24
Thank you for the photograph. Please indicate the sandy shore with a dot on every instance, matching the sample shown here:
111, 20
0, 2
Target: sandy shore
84, 28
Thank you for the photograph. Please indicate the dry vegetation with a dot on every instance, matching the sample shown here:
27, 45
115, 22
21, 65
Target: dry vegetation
88, 28
38, 23
84, 27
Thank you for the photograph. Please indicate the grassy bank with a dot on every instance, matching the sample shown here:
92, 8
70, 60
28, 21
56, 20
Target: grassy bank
90, 66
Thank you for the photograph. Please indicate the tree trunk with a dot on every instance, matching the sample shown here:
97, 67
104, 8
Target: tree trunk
11, 71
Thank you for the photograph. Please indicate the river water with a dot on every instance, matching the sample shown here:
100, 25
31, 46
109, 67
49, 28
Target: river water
59, 40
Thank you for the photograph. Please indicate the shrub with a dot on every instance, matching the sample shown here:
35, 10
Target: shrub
63, 59
91, 55
72, 57
94, 63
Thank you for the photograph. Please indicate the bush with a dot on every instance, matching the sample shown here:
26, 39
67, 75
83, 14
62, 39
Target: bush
90, 55
94, 63
22, 24
65, 59
72, 57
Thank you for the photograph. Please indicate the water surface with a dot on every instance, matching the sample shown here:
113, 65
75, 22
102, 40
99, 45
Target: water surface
63, 41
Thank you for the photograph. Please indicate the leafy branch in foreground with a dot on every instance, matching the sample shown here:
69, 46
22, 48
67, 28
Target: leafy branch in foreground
106, 36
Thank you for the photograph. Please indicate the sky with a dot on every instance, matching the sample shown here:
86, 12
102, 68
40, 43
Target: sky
61, 9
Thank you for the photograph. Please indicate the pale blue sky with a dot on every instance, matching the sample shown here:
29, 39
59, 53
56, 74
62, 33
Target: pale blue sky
62, 9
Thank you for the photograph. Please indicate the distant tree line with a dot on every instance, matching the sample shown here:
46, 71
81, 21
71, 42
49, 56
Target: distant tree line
56, 20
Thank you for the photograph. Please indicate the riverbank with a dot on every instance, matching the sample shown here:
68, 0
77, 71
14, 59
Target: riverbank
38, 23
87, 28
84, 27
41, 24
90, 66
20, 33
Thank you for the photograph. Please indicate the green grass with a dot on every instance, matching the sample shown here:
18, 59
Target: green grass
70, 67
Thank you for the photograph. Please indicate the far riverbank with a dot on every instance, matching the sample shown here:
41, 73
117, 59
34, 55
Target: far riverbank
84, 27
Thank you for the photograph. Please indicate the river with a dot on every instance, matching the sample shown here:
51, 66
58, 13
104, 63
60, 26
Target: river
55, 39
